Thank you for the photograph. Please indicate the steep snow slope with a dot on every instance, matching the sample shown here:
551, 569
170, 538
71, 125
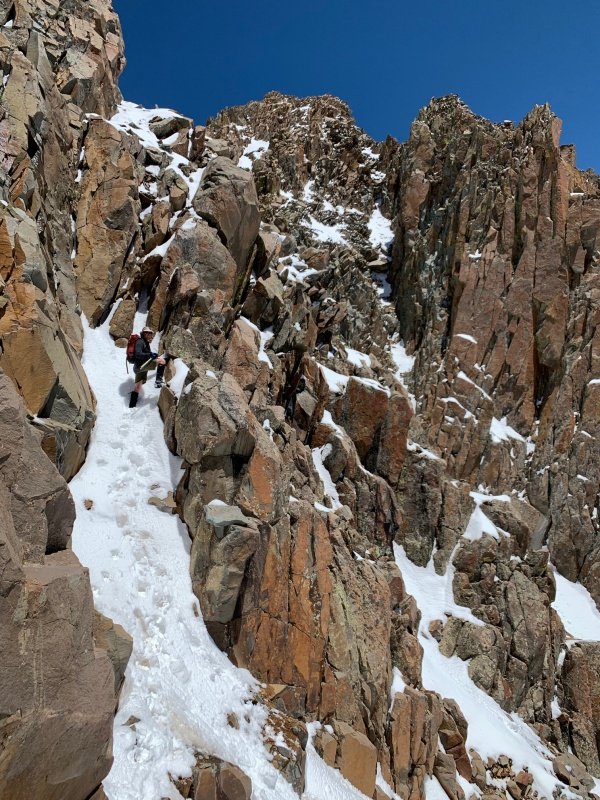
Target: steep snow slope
179, 687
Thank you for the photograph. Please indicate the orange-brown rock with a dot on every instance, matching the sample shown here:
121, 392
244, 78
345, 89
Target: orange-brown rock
227, 200
107, 216
57, 691
356, 758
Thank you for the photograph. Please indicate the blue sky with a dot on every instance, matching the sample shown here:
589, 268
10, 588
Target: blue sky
386, 58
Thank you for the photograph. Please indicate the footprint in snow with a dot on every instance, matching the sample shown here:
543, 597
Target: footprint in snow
137, 458
181, 672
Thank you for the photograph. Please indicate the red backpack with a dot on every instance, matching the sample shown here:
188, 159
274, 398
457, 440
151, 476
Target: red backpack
130, 352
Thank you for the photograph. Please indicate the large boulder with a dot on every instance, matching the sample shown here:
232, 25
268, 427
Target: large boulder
107, 216
227, 199
377, 422
356, 758
57, 695
40, 503
36, 353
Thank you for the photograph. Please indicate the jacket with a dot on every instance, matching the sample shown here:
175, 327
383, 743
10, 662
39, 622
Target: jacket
142, 353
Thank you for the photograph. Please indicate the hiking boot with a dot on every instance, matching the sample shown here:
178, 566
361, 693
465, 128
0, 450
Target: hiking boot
133, 398
159, 382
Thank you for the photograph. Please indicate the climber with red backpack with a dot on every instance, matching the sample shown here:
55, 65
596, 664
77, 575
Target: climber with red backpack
144, 360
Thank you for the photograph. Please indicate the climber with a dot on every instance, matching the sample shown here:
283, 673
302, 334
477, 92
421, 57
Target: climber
144, 361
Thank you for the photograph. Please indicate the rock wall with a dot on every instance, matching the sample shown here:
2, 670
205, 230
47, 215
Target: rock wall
494, 267
59, 62
57, 686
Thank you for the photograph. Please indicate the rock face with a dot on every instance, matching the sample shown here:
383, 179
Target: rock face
57, 684
57, 688
58, 65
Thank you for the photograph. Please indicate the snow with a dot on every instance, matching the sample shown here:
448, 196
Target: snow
414, 447
337, 383
433, 789
160, 249
381, 782
463, 376
176, 383
319, 454
308, 192
368, 152
356, 358
298, 270
467, 337
404, 366
492, 732
178, 684
380, 230
398, 684
265, 338
576, 609
328, 420
500, 431
374, 385
252, 152
382, 286
555, 708
594, 382
435, 591
479, 523
132, 118
326, 233
404, 363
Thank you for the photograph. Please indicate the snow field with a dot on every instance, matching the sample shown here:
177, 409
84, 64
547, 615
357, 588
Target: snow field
577, 610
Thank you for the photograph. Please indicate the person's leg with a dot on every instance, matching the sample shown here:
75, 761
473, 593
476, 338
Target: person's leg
160, 370
140, 380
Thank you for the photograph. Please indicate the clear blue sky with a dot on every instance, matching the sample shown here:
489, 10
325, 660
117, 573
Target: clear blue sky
386, 58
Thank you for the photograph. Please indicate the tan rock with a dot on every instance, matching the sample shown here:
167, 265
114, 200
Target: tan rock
107, 216
214, 779
121, 324
227, 200
356, 758
118, 644
241, 358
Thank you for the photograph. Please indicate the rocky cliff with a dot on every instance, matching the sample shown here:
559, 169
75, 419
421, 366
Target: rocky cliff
387, 429
57, 686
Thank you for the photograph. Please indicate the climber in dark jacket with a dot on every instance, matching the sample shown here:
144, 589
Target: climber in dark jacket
146, 361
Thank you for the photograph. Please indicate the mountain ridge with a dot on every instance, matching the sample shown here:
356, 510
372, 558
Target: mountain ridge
386, 420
